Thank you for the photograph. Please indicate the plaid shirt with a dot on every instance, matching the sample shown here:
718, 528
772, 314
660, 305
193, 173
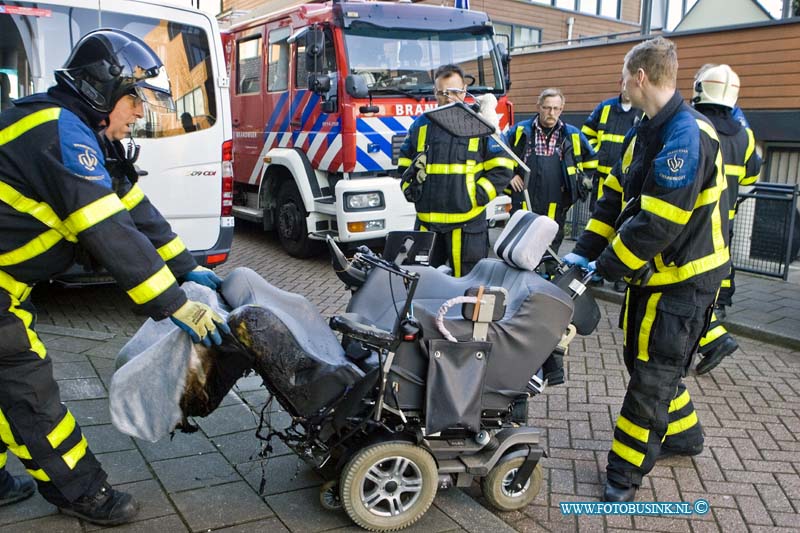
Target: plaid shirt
542, 145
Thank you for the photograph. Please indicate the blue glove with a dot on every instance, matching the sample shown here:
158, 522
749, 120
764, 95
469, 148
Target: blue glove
204, 276
592, 267
573, 259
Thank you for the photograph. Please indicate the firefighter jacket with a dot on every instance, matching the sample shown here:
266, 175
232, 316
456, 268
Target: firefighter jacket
148, 220
674, 193
556, 182
738, 145
55, 193
606, 128
464, 174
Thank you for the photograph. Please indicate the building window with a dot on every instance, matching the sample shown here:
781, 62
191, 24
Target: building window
248, 66
521, 38
782, 164
675, 10
605, 8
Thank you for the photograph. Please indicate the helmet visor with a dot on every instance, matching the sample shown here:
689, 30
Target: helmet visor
154, 90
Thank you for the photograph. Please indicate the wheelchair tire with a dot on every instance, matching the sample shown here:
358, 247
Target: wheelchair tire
389, 486
329, 496
496, 485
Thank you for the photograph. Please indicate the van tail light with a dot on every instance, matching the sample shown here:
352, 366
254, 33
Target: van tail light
227, 179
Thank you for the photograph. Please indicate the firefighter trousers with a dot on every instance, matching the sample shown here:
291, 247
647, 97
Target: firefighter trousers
461, 247
716, 333
661, 331
34, 424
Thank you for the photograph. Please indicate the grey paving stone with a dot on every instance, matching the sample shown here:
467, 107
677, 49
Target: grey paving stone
106, 438
30, 509
164, 524
89, 412
82, 389
179, 445
125, 467
55, 523
228, 419
73, 344
271, 525
73, 332
301, 511
59, 356
244, 447
194, 472
214, 507
283, 474
433, 521
462, 510
73, 370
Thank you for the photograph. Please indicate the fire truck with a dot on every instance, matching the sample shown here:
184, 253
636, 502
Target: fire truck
322, 97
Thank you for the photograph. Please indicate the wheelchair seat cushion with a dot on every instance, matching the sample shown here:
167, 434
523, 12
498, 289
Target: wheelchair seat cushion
525, 239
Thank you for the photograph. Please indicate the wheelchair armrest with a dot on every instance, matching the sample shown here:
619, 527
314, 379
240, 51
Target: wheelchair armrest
350, 324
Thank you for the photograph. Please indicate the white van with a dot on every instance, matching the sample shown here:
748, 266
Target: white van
187, 156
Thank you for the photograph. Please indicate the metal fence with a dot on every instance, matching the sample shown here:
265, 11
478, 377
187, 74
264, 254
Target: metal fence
766, 231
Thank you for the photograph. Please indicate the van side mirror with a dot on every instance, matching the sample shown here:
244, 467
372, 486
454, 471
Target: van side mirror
505, 59
356, 86
319, 83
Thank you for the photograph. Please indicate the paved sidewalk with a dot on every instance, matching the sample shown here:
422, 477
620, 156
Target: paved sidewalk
749, 406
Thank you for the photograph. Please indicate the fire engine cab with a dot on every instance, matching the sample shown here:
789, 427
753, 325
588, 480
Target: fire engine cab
322, 97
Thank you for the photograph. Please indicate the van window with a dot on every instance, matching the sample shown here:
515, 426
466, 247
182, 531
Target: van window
278, 69
248, 65
36, 43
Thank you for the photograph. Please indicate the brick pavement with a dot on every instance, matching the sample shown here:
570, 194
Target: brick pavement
749, 406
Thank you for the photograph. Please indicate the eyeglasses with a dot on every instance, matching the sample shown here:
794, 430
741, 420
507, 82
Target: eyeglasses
548, 109
450, 92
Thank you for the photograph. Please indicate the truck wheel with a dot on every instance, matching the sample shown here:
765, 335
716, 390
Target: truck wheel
291, 223
497, 486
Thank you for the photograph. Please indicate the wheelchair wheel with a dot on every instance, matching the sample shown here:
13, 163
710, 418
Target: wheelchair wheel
329, 496
497, 485
389, 486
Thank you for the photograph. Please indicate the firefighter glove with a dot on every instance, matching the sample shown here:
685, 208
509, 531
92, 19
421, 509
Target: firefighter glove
200, 322
416, 172
204, 276
592, 267
584, 185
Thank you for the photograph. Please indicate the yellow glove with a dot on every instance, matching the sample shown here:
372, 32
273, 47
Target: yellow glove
200, 322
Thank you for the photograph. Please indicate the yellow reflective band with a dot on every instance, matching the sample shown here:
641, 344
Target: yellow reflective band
589, 132
3, 459
726, 283
613, 183
625, 317
423, 228
474, 144
421, 135
403, 162
35, 247
40, 474
571, 171
751, 145
736, 171
488, 186
731, 214
707, 197
647, 323
152, 286
627, 157
8, 438
26, 124
504, 162
604, 114
627, 453
470, 183
665, 210
680, 402
707, 128
593, 143
576, 144
456, 239
27, 319
749, 180
603, 169
551, 210
17, 289
38, 210
712, 335
133, 197
601, 228
689, 270
75, 454
173, 248
613, 137
592, 163
518, 135
682, 424
600, 181
62, 430
94, 213
632, 430
450, 218
404, 185
625, 255
455, 168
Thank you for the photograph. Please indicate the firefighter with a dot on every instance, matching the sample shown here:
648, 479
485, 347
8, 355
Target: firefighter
450, 180
605, 129
56, 195
716, 89
559, 157
661, 223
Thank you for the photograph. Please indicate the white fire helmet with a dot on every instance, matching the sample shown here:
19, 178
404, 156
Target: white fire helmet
716, 85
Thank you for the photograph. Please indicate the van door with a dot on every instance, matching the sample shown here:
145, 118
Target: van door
277, 98
247, 104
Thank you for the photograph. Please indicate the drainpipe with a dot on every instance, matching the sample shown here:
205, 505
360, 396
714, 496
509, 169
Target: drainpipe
570, 24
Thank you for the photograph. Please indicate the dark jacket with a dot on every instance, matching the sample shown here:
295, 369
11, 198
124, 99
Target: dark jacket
55, 193
670, 180
606, 128
464, 174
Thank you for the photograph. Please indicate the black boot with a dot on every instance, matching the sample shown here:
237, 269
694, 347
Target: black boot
15, 488
618, 493
714, 357
666, 451
107, 507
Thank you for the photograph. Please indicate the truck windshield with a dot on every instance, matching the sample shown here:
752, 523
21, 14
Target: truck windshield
405, 60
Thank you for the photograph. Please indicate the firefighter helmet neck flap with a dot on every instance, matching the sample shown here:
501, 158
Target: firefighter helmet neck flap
108, 64
718, 85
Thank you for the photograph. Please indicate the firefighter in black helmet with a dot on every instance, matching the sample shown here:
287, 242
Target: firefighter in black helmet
56, 196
